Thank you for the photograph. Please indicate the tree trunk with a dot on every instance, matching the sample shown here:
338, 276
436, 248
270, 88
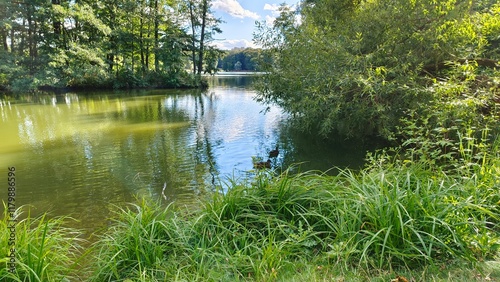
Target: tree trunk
432, 68
204, 10
112, 40
31, 38
193, 39
141, 37
35, 40
148, 44
111, 58
4, 40
56, 24
12, 40
156, 35
132, 47
22, 42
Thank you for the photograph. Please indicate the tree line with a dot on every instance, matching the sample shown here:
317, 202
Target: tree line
240, 59
109, 43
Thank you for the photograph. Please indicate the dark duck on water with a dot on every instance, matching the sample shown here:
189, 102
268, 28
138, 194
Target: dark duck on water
261, 165
267, 164
274, 153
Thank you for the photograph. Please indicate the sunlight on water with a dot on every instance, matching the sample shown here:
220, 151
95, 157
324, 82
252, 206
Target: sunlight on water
78, 153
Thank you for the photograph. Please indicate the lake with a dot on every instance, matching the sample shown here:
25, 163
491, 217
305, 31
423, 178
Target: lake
79, 153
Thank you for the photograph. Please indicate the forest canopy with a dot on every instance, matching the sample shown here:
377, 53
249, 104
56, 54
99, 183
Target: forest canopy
104, 44
363, 69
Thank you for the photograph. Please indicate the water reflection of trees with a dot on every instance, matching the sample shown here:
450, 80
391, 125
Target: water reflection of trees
180, 156
88, 150
204, 147
308, 152
241, 81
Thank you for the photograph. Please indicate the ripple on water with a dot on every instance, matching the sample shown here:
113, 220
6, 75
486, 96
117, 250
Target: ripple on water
80, 159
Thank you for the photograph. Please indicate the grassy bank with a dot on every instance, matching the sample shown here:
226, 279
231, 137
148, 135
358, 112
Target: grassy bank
392, 218
310, 227
44, 249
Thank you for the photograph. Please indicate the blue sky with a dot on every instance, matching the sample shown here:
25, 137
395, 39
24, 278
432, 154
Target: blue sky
240, 17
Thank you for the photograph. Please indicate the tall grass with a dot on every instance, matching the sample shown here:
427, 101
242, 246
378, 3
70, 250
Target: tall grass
272, 228
401, 218
135, 246
46, 250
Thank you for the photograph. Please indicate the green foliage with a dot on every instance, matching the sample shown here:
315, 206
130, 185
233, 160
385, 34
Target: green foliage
136, 245
103, 44
89, 77
240, 59
126, 78
203, 27
458, 131
391, 215
394, 215
45, 249
356, 71
407, 217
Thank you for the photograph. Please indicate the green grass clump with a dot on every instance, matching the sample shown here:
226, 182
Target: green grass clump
312, 226
408, 217
45, 249
135, 246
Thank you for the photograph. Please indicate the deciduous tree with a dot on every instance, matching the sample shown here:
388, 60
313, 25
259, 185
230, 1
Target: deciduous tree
356, 68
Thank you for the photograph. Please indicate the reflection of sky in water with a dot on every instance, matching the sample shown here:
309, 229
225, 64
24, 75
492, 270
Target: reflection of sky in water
79, 153
232, 123
236, 126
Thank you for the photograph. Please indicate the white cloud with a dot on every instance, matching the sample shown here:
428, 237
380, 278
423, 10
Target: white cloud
229, 44
298, 19
272, 7
270, 20
234, 8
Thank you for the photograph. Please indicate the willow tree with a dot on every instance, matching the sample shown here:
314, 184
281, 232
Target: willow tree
356, 68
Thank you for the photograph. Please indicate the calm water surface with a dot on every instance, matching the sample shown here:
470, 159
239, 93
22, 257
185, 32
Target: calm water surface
79, 153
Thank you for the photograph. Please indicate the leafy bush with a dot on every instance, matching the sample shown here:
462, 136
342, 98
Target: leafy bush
90, 77
126, 78
356, 68
458, 129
